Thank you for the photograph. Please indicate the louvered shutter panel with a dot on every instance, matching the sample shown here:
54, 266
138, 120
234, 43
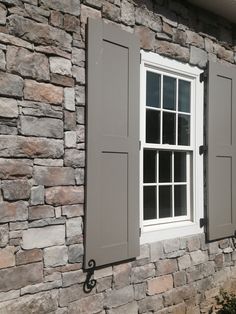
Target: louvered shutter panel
221, 161
112, 181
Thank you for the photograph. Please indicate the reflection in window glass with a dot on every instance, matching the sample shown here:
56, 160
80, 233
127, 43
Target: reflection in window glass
180, 166
165, 202
153, 89
149, 202
149, 166
169, 93
184, 96
165, 166
183, 129
180, 200
152, 126
168, 128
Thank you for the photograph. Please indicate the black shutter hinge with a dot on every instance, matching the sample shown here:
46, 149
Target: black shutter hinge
140, 231
203, 149
203, 76
139, 143
203, 222
140, 58
90, 282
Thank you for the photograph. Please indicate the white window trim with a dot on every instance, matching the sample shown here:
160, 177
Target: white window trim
153, 233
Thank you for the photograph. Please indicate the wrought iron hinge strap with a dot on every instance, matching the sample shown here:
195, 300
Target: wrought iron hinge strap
203, 149
90, 283
203, 222
203, 76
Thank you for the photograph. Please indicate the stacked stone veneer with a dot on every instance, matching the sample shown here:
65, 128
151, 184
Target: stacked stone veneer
42, 160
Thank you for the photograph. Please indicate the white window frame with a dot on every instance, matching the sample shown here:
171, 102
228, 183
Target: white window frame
156, 232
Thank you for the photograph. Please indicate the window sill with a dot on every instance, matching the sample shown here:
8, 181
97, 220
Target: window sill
169, 231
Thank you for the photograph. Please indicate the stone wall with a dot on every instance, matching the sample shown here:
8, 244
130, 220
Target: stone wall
42, 160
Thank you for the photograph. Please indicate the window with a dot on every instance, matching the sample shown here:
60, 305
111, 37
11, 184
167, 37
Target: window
171, 170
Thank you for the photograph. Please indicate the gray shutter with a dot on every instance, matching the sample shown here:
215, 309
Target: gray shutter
112, 195
221, 163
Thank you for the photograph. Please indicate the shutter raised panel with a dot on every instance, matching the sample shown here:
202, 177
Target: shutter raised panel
221, 164
112, 177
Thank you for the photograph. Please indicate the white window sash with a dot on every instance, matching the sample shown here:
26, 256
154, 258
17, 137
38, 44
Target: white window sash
165, 228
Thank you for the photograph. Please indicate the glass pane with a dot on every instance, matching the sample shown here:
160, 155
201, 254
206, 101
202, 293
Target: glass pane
183, 129
180, 166
168, 128
152, 126
184, 96
149, 157
149, 202
153, 89
165, 202
180, 200
169, 93
165, 166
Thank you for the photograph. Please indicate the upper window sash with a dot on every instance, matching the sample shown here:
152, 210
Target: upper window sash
167, 109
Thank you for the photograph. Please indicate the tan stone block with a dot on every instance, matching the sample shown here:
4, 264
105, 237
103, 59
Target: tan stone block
160, 284
72, 210
16, 189
173, 51
52, 176
10, 169
146, 37
39, 33
8, 108
194, 39
43, 92
4, 235
7, 257
41, 212
19, 146
88, 12
12, 40
139, 274
29, 256
45, 302
56, 18
70, 294
41, 126
71, 23
43, 237
20, 276
27, 63
168, 266
55, 51
11, 85
60, 65
62, 80
66, 6
13, 211
167, 29
122, 275
64, 195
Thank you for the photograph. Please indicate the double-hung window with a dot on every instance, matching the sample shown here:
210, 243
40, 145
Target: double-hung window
171, 131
